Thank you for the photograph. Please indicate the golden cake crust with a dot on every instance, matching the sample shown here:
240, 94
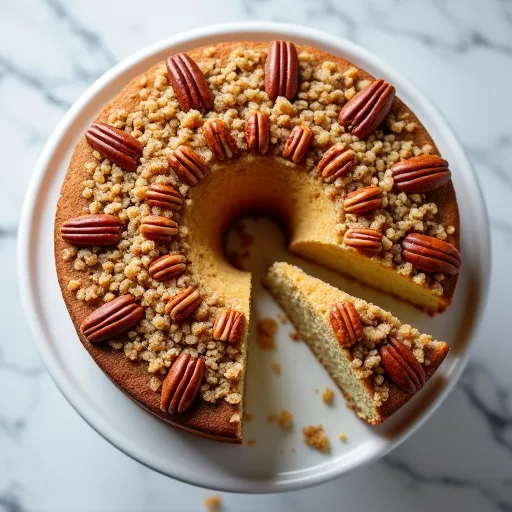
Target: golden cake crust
204, 419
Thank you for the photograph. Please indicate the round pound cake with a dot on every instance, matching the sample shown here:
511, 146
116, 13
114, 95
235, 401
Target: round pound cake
200, 139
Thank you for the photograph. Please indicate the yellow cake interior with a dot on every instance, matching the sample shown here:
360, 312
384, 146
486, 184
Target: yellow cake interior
298, 200
307, 301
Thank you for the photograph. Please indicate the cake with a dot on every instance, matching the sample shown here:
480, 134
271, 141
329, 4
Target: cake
377, 362
198, 140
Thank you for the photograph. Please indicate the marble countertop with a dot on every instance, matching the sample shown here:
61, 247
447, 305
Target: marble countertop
458, 52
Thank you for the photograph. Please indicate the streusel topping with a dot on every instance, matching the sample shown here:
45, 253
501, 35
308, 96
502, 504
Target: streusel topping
160, 125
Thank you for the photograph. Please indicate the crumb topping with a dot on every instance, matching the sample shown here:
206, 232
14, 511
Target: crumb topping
160, 125
377, 326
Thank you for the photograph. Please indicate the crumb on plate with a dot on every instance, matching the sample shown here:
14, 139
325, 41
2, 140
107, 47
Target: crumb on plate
267, 328
213, 503
328, 396
276, 368
285, 419
316, 437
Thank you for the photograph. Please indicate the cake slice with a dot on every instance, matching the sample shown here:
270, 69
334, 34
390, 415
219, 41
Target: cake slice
378, 362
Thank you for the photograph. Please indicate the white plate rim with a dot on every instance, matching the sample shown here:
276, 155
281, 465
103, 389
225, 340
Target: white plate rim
193, 38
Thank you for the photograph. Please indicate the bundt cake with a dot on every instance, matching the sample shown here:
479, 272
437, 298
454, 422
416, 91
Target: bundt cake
195, 142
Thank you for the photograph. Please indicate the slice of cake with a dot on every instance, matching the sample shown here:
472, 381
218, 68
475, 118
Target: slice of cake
378, 362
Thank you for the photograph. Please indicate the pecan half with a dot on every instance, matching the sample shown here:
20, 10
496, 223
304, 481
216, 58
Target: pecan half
346, 323
281, 70
229, 326
168, 266
182, 383
92, 230
164, 196
116, 145
367, 109
158, 229
257, 132
363, 200
189, 83
336, 162
188, 165
401, 366
112, 319
421, 174
297, 144
219, 139
431, 254
368, 241
183, 304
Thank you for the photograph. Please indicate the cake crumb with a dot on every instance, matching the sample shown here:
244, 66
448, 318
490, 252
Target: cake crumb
294, 335
293, 450
316, 437
317, 391
285, 419
155, 383
328, 396
267, 328
276, 368
247, 417
213, 503
251, 442
342, 436
282, 318
271, 418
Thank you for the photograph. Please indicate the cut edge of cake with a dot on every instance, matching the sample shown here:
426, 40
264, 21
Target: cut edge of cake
370, 372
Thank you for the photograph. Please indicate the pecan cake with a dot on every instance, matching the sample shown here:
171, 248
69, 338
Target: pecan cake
193, 143
377, 362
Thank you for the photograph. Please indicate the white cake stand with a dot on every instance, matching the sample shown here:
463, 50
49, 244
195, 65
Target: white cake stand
279, 461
